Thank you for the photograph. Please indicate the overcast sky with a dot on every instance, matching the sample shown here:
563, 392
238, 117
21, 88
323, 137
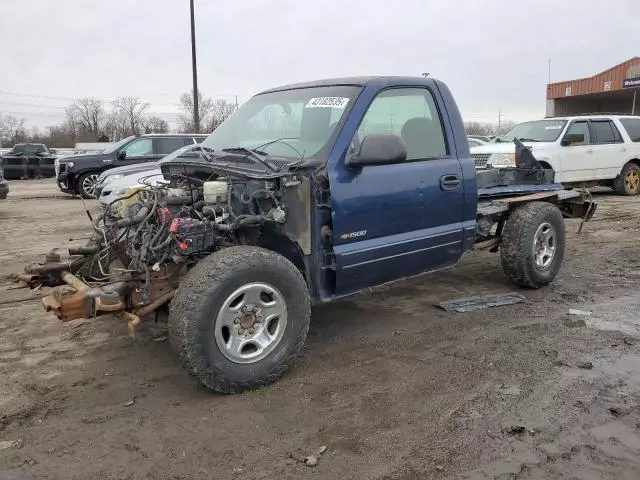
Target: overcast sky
493, 54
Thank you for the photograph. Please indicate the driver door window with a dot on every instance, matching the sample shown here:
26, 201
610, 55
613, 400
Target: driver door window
139, 148
579, 128
410, 113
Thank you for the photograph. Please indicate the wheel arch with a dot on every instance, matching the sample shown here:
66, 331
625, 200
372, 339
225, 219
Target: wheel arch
635, 161
546, 165
281, 244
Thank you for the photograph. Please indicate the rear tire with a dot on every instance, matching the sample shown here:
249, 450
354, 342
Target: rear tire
532, 244
628, 182
240, 318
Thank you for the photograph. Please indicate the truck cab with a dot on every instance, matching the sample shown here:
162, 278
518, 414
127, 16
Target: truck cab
395, 217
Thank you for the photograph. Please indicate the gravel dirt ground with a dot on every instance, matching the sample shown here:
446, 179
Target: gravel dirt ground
394, 387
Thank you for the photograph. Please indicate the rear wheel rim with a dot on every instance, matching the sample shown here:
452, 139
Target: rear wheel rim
544, 246
632, 180
89, 184
251, 323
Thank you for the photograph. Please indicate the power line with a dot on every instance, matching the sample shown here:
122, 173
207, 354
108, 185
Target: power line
107, 99
22, 94
36, 114
31, 105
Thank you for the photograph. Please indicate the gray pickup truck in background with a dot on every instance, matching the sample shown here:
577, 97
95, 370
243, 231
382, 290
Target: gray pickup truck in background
29, 160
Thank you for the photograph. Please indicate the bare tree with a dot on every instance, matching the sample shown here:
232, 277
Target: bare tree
60, 136
117, 125
478, 128
71, 123
205, 108
134, 110
12, 129
505, 126
155, 124
90, 114
220, 111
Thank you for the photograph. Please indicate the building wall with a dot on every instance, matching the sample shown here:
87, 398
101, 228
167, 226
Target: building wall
551, 108
583, 105
609, 80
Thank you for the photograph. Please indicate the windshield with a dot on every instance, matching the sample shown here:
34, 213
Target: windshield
115, 147
28, 149
290, 123
179, 152
538, 131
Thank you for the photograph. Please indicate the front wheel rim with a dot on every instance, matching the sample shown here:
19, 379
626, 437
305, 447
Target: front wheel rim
544, 246
251, 323
89, 185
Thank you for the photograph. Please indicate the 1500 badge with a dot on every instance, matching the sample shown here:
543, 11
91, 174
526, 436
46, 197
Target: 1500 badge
347, 236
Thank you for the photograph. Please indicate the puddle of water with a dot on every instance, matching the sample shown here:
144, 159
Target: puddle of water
614, 326
626, 368
617, 315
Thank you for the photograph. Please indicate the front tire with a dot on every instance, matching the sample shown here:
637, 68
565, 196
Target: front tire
87, 185
240, 318
628, 182
532, 244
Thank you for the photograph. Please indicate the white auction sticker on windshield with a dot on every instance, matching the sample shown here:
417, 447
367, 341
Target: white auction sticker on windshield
327, 102
553, 127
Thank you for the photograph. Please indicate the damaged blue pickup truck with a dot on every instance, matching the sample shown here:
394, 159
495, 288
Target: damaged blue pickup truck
307, 193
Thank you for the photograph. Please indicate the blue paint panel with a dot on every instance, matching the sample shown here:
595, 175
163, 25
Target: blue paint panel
405, 223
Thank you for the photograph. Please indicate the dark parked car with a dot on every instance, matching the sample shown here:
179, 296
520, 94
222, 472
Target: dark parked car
4, 185
29, 160
78, 174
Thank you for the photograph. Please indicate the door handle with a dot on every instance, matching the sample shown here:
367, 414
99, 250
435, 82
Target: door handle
588, 151
449, 182
622, 149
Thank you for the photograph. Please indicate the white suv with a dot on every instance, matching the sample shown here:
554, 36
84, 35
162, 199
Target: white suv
585, 150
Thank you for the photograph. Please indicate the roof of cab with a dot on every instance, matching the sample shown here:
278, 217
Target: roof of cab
355, 82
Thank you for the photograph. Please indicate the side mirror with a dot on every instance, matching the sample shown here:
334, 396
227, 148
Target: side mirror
122, 154
572, 138
52, 151
379, 149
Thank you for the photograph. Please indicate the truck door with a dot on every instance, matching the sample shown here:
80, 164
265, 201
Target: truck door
399, 220
577, 162
609, 151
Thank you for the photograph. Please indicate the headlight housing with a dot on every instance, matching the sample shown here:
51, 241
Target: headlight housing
502, 160
111, 178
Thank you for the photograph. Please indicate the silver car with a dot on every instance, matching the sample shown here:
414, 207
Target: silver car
112, 174
114, 189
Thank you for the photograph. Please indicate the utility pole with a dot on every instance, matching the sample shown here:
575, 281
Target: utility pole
499, 119
549, 78
196, 108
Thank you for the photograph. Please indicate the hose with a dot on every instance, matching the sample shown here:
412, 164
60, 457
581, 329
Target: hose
136, 219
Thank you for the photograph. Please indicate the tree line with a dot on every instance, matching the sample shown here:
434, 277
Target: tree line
90, 119
483, 128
